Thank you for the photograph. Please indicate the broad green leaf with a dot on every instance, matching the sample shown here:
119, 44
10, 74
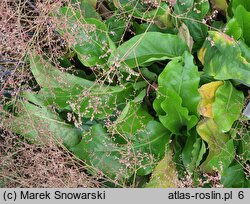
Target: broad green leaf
40, 124
181, 76
141, 9
119, 162
227, 106
49, 76
132, 117
165, 174
148, 74
95, 102
222, 161
241, 22
201, 154
86, 8
177, 146
149, 146
141, 28
207, 93
199, 149
83, 96
165, 19
90, 38
133, 126
242, 136
234, 177
98, 150
244, 3
148, 47
91, 2
217, 143
191, 12
245, 145
234, 29
193, 152
116, 28
245, 50
187, 151
176, 118
222, 59
177, 95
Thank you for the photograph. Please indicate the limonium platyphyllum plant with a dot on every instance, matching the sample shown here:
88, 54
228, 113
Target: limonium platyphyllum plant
142, 93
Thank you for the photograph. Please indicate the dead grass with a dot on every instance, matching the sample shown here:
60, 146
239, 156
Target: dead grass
28, 165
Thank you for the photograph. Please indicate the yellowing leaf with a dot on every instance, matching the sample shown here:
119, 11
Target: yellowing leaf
220, 37
185, 35
216, 140
92, 3
224, 59
165, 174
207, 93
221, 5
201, 54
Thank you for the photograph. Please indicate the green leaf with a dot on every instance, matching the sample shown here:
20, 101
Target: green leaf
164, 20
245, 50
83, 96
177, 95
222, 161
234, 177
99, 150
222, 58
242, 136
141, 28
148, 47
136, 125
165, 174
91, 41
191, 8
191, 12
227, 106
94, 102
217, 144
181, 76
244, 3
90, 2
49, 76
193, 152
149, 146
192, 141
132, 117
201, 154
148, 74
245, 145
140, 9
241, 22
143, 144
234, 29
86, 8
39, 124
116, 28
2, 184
176, 118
